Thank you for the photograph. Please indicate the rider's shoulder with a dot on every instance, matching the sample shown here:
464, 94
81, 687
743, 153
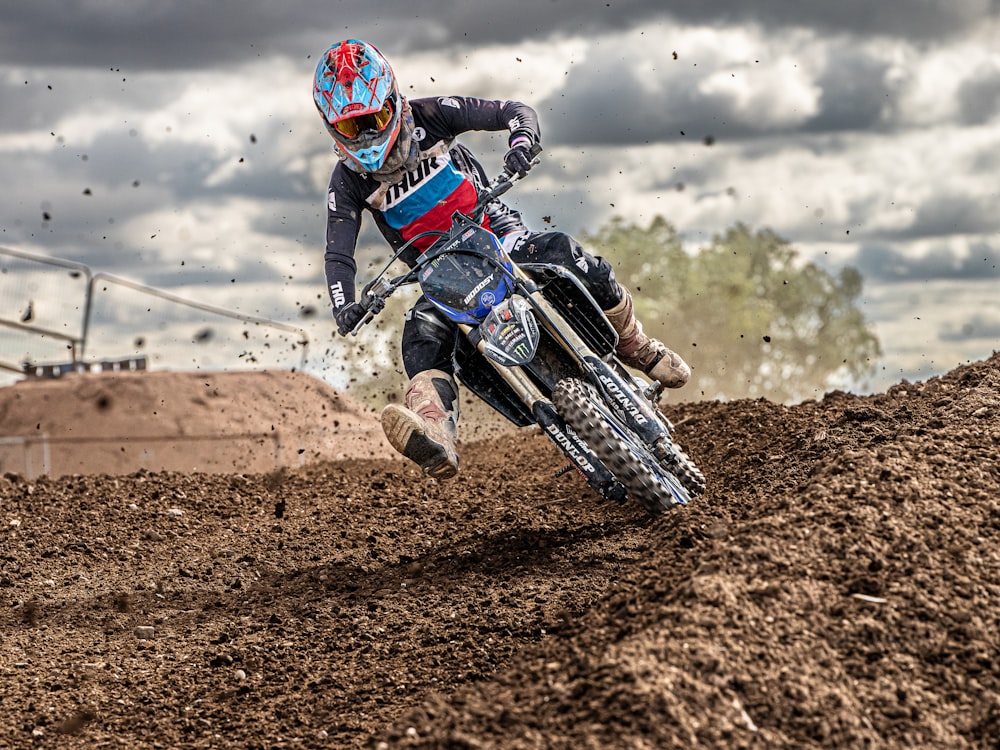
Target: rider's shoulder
346, 181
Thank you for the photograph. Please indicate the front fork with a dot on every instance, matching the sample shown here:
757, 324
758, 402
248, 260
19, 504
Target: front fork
630, 406
579, 454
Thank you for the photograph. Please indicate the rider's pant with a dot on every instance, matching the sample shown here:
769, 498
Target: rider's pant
428, 339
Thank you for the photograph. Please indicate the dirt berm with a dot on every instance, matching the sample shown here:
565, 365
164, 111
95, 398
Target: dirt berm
835, 587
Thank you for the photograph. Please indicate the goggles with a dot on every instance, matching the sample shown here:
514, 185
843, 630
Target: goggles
352, 127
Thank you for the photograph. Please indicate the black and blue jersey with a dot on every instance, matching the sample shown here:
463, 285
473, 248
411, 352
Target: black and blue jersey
446, 180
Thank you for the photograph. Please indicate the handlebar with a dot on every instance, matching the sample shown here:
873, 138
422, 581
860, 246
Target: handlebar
505, 180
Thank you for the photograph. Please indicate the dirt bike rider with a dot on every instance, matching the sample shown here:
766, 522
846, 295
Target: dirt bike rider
398, 159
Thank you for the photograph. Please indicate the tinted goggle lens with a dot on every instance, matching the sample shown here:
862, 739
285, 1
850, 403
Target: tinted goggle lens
352, 127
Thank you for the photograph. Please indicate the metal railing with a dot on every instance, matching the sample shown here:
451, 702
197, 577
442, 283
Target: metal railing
57, 456
32, 456
37, 296
49, 326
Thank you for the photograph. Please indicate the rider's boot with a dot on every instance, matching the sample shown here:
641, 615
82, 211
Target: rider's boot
424, 430
638, 350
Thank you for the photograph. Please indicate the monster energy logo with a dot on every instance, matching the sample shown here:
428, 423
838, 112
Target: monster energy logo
521, 350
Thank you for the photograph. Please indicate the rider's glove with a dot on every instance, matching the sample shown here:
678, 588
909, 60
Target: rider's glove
517, 161
348, 317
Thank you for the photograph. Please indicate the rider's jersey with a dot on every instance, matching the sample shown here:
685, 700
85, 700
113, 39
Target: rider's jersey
446, 180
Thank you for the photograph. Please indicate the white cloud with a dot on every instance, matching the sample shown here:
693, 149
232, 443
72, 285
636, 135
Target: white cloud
935, 78
778, 97
529, 71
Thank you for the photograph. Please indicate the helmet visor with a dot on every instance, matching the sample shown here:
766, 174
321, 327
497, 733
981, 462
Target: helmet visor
352, 127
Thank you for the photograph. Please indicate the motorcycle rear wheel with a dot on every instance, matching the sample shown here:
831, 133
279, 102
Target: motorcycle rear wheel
647, 482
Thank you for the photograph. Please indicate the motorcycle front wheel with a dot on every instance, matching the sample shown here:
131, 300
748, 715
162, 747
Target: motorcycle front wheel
626, 456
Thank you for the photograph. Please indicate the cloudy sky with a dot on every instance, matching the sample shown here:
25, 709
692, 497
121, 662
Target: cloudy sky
176, 145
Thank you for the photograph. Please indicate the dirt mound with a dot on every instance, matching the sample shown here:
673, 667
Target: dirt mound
835, 587
104, 423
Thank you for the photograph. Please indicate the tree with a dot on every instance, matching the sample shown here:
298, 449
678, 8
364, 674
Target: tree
750, 317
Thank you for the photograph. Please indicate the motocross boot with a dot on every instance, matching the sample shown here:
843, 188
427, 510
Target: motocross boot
638, 350
424, 429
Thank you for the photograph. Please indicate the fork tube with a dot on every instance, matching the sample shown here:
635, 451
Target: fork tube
526, 390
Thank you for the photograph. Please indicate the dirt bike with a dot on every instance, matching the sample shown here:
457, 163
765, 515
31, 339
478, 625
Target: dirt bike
536, 347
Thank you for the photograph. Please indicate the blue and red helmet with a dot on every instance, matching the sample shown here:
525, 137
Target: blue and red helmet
355, 92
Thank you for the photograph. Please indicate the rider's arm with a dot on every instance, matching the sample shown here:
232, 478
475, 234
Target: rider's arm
522, 121
343, 222
459, 114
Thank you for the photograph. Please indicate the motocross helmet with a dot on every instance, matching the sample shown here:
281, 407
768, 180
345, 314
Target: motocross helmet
355, 91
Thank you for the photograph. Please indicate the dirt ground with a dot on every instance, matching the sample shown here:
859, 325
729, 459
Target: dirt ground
836, 586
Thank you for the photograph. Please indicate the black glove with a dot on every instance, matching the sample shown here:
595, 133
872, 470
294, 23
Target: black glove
517, 161
348, 317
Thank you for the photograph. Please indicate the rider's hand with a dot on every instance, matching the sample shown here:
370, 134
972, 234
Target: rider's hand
348, 317
517, 161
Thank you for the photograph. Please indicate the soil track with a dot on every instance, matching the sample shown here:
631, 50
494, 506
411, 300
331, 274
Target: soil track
836, 586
